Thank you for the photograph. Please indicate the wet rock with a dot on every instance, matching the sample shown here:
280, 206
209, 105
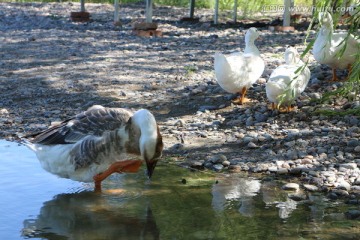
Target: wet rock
353, 214
297, 196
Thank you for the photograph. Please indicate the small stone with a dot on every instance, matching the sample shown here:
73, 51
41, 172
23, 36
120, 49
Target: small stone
180, 123
357, 149
351, 166
311, 188
234, 168
291, 186
197, 164
353, 214
282, 171
252, 145
4, 111
340, 192
343, 185
306, 161
297, 196
218, 167
226, 163
353, 143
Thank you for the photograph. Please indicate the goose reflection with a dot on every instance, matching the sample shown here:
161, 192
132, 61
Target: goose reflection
235, 188
87, 215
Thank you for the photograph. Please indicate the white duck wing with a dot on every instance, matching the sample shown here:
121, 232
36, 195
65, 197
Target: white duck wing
282, 80
93, 122
237, 70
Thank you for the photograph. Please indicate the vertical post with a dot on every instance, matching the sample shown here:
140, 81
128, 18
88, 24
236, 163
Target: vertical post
286, 21
216, 14
192, 8
235, 11
116, 12
82, 6
313, 8
149, 11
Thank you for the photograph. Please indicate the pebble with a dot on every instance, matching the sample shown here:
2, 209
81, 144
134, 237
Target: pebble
311, 188
291, 186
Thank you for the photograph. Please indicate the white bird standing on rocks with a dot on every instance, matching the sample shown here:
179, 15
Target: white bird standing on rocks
98, 142
238, 71
328, 45
285, 84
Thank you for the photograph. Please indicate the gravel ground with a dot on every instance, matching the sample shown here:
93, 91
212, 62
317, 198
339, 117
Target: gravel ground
52, 68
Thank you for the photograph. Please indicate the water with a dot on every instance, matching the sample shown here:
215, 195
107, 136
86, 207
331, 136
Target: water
177, 204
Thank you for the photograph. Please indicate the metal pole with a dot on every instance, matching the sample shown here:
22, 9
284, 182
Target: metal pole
149, 11
313, 8
286, 21
192, 8
216, 15
235, 11
82, 6
116, 12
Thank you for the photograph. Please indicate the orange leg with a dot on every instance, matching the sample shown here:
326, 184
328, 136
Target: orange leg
334, 77
349, 68
274, 106
242, 99
128, 166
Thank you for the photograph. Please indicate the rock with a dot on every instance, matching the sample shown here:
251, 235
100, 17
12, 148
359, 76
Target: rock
291, 186
218, 167
197, 164
340, 192
180, 123
351, 166
353, 214
311, 188
252, 145
235, 168
297, 196
357, 149
226, 163
343, 185
353, 143
282, 171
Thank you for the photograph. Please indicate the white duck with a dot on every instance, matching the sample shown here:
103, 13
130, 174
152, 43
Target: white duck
328, 45
238, 71
284, 85
98, 142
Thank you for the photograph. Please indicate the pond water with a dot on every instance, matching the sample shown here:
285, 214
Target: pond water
176, 204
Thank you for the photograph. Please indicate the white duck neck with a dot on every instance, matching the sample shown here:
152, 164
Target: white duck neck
251, 48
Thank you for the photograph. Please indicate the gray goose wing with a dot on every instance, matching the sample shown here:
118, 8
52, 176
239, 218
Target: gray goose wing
94, 122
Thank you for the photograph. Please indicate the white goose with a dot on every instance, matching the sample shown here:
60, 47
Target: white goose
284, 85
238, 71
328, 45
98, 142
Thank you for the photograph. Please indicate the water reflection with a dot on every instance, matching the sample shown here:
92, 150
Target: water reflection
88, 215
245, 191
230, 189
